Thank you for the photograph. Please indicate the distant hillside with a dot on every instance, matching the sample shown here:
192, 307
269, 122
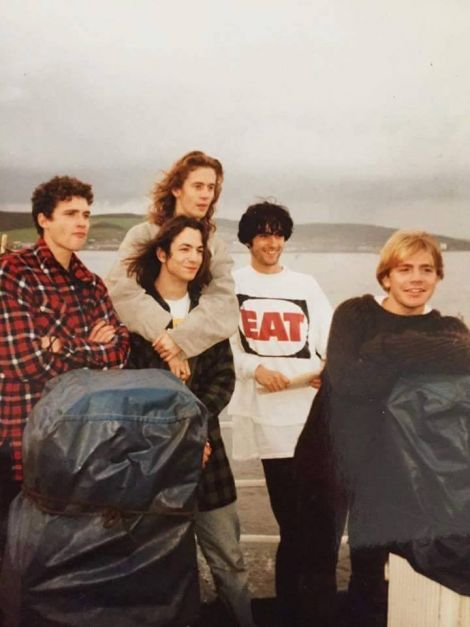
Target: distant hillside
327, 237
10, 220
108, 230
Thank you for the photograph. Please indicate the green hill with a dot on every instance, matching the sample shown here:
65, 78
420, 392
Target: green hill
108, 230
12, 220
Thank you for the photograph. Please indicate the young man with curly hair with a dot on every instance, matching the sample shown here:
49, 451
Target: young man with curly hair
55, 315
278, 352
191, 187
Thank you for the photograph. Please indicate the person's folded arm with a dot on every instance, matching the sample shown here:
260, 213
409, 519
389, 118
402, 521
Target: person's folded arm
24, 355
139, 311
351, 372
213, 320
445, 350
84, 352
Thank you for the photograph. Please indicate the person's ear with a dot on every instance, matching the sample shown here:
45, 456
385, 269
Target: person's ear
161, 255
386, 282
176, 191
42, 220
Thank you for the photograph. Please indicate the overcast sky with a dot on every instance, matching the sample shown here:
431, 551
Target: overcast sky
344, 111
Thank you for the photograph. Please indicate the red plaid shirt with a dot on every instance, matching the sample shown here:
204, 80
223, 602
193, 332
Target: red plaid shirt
39, 298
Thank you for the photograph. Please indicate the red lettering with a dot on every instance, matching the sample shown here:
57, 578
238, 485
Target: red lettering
249, 323
294, 320
272, 326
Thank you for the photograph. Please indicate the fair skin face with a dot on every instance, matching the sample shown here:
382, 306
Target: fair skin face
65, 232
181, 265
410, 285
266, 250
177, 270
194, 198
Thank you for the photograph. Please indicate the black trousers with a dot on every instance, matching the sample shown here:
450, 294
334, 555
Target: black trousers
322, 511
368, 590
311, 517
280, 481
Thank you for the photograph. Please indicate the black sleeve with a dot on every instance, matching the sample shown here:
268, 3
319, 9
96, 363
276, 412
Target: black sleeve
142, 354
445, 349
350, 371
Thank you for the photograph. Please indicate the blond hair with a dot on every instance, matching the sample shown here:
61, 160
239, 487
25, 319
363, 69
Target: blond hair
403, 244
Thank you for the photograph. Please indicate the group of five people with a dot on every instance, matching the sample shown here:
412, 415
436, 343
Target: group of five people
259, 340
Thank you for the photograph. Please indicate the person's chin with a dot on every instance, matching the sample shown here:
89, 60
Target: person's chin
78, 243
417, 299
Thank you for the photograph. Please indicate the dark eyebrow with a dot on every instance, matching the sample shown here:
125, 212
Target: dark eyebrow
189, 245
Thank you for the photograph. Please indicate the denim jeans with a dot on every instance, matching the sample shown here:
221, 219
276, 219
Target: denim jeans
218, 535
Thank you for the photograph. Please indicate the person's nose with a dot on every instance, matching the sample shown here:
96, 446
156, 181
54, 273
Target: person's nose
194, 256
417, 275
82, 221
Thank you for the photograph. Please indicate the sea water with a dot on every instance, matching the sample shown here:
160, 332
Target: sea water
344, 275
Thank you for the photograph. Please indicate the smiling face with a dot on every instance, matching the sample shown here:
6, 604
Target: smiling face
185, 258
66, 230
410, 284
266, 250
194, 198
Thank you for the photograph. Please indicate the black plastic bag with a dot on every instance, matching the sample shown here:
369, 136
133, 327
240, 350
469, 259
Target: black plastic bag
103, 533
412, 490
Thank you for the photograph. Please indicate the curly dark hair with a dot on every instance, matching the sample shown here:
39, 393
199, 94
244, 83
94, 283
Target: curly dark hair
262, 218
145, 265
46, 196
163, 201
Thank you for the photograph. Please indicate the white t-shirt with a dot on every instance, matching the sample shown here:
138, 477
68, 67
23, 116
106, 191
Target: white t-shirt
179, 309
283, 324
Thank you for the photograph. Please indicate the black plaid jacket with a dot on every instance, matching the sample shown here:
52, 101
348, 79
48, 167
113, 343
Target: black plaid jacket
212, 381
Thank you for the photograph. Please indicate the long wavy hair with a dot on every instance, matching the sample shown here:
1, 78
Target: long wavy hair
163, 202
145, 265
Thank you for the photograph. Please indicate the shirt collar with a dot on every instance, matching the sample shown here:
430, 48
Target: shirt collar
381, 297
76, 269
